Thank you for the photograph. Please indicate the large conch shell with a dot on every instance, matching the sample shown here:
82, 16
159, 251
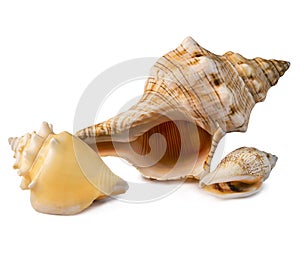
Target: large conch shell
240, 174
191, 99
63, 174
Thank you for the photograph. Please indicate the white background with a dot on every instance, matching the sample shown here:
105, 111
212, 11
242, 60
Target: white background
51, 50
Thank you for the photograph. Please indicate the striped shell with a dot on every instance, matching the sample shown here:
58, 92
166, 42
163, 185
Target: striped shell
191, 99
64, 175
240, 174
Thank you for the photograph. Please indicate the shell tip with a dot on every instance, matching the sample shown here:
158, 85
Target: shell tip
281, 66
10, 139
272, 159
13, 142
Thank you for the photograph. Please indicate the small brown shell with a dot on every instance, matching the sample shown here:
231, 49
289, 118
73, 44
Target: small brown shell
241, 173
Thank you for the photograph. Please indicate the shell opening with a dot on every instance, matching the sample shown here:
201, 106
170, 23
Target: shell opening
234, 189
169, 150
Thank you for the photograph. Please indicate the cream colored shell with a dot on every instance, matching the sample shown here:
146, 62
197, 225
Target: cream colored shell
192, 98
63, 174
240, 174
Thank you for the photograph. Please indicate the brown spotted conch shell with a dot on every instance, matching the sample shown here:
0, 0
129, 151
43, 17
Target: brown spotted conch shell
63, 174
240, 174
191, 99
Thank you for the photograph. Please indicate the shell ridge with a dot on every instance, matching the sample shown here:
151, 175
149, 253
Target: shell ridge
195, 107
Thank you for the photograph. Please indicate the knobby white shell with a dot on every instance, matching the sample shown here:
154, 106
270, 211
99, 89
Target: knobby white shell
63, 174
191, 99
240, 174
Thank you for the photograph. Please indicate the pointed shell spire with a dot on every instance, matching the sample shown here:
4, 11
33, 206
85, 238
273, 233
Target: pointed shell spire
258, 74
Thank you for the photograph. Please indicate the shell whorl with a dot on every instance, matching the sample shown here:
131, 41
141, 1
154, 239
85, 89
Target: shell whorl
26, 149
258, 74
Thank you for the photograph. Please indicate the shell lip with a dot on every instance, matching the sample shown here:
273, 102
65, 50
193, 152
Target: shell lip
236, 195
210, 179
254, 186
